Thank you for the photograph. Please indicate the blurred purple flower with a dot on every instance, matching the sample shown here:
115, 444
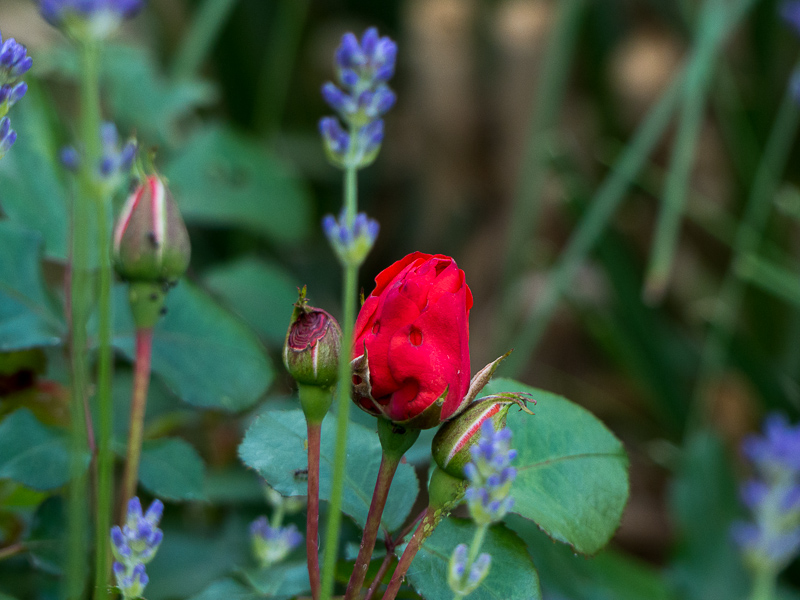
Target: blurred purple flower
88, 18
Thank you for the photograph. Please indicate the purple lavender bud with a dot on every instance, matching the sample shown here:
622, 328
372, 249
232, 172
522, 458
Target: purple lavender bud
14, 62
134, 510
790, 12
351, 243
154, 513
7, 136
88, 19
369, 42
349, 54
337, 99
479, 569
753, 493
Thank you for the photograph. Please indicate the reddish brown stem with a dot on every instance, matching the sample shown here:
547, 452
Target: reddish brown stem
385, 475
312, 516
387, 560
424, 529
141, 381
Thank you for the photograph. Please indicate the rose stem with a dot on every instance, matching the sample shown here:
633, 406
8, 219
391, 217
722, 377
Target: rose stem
141, 381
424, 529
349, 292
312, 515
385, 475
387, 560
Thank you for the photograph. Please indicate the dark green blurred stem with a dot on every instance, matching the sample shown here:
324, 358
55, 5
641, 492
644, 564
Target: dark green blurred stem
80, 305
141, 382
698, 77
533, 172
763, 585
349, 292
206, 25
748, 237
105, 456
281, 54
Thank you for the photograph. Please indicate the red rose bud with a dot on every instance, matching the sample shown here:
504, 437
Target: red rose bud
451, 444
411, 348
311, 350
150, 239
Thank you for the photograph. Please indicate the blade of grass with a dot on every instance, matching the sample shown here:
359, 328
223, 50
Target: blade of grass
548, 103
603, 207
206, 25
770, 277
711, 30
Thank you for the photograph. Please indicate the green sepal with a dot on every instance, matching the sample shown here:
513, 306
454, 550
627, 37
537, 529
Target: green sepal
315, 401
395, 439
146, 300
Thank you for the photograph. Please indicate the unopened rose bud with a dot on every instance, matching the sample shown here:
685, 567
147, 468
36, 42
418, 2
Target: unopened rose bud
452, 443
150, 239
311, 355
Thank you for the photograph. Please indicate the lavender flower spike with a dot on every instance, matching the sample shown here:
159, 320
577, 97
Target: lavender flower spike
88, 19
272, 544
14, 61
351, 243
134, 545
772, 539
462, 582
7, 136
490, 475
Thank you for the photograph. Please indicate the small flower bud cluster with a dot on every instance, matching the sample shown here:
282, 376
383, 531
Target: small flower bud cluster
464, 578
14, 63
351, 243
363, 98
134, 545
272, 544
88, 19
114, 162
772, 540
490, 475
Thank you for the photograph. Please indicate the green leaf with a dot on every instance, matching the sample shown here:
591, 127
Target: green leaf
275, 445
46, 538
31, 193
606, 576
187, 562
262, 293
221, 178
704, 502
227, 589
203, 353
512, 575
172, 469
572, 473
32, 454
27, 318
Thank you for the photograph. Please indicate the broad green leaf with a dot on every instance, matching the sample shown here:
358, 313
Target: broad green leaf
282, 581
606, 576
262, 293
234, 485
275, 445
221, 178
31, 193
704, 503
512, 575
27, 318
227, 589
203, 353
187, 562
32, 454
172, 469
572, 473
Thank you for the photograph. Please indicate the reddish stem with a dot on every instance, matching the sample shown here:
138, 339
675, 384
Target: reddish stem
141, 381
385, 475
387, 560
424, 529
312, 516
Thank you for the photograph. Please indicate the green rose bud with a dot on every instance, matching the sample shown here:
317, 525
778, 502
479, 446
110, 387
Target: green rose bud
150, 239
451, 444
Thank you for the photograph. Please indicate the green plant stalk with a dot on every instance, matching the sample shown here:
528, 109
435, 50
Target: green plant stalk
385, 475
312, 513
349, 292
759, 203
533, 172
763, 585
211, 17
141, 382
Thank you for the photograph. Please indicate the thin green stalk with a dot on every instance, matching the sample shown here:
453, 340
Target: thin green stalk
349, 292
533, 171
748, 237
206, 25
695, 90
282, 46
105, 456
764, 585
